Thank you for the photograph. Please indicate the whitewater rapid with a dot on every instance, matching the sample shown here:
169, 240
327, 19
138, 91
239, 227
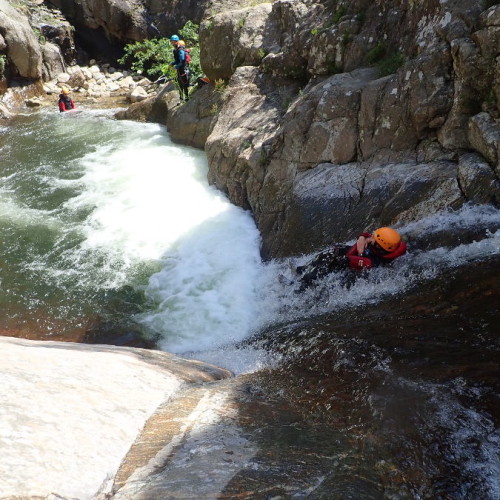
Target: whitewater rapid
91, 206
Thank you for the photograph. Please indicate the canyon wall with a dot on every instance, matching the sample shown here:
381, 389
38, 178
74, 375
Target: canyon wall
328, 118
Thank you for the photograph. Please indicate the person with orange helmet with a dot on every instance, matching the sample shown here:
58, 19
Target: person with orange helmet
370, 250
65, 102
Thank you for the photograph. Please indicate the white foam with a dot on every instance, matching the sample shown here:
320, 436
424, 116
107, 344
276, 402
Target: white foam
205, 293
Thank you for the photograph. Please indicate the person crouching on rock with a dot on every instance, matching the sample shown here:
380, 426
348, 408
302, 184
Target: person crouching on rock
370, 250
65, 102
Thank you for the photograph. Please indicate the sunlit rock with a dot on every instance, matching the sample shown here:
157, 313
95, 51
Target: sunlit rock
70, 412
138, 94
23, 48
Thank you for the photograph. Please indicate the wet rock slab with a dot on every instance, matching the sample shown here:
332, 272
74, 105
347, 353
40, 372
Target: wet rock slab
396, 400
69, 412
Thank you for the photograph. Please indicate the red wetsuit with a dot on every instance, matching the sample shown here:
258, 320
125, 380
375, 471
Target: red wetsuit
65, 103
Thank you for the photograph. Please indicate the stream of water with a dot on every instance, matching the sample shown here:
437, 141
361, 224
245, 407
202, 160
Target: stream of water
107, 226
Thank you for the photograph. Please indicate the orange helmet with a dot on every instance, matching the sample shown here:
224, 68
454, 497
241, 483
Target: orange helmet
65, 91
387, 238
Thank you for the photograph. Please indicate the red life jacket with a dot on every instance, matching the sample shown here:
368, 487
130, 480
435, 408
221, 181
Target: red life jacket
359, 262
65, 103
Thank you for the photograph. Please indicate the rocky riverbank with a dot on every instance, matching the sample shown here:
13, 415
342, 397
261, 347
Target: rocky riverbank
70, 412
325, 109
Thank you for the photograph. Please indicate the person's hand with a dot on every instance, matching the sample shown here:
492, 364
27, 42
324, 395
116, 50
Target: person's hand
362, 243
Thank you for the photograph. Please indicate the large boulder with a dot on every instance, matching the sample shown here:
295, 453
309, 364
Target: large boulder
239, 144
334, 202
22, 46
124, 20
53, 62
188, 123
484, 137
477, 179
242, 38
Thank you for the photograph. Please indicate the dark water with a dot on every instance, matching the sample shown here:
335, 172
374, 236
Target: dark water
394, 400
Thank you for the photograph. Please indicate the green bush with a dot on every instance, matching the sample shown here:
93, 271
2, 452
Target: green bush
387, 62
375, 54
153, 57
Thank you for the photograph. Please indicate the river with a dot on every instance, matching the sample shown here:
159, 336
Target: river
111, 233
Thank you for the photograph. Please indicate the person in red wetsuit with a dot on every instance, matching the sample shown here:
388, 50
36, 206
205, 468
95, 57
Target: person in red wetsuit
65, 102
370, 250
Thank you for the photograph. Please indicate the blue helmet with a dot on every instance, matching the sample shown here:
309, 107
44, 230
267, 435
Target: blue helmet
174, 38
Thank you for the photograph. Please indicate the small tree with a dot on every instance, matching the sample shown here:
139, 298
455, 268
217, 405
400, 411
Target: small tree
153, 57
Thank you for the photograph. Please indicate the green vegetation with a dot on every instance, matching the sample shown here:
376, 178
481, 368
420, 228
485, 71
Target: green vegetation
361, 17
220, 85
264, 157
391, 63
214, 109
153, 57
209, 25
21, 6
346, 38
3, 63
387, 62
339, 13
376, 54
41, 38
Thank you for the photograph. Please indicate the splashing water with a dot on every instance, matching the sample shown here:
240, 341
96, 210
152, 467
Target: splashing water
108, 220
333, 292
91, 207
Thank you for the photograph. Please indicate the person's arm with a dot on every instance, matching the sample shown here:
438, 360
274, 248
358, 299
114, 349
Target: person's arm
355, 259
62, 107
363, 241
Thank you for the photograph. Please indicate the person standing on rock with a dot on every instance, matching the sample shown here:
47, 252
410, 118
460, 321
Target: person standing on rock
181, 64
65, 102
370, 250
